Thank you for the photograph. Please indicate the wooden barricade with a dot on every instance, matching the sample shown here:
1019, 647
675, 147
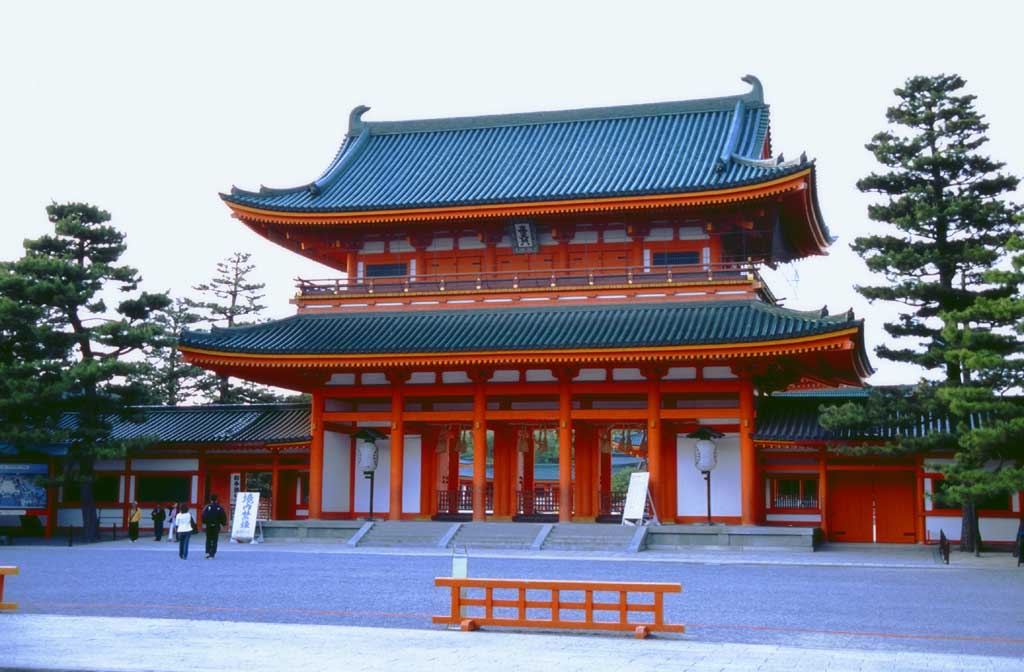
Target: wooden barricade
6, 570
555, 605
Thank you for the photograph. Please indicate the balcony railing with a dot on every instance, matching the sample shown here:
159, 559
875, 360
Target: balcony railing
510, 281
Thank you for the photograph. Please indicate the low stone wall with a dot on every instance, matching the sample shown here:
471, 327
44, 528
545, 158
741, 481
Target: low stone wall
318, 530
732, 536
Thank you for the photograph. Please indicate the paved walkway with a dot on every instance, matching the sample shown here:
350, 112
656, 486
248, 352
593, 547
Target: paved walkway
95, 643
829, 555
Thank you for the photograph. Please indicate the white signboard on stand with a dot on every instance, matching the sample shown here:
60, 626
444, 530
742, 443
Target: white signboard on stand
636, 498
243, 518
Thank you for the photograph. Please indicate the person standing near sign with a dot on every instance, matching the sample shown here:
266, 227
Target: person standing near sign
158, 517
213, 518
184, 524
134, 517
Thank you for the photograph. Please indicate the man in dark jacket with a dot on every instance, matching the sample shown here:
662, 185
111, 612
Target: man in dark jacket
158, 516
213, 518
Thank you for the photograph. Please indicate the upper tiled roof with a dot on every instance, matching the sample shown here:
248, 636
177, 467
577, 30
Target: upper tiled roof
517, 329
221, 423
630, 150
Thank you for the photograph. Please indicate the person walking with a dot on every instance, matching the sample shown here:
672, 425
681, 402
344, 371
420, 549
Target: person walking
158, 517
213, 518
185, 525
134, 516
172, 526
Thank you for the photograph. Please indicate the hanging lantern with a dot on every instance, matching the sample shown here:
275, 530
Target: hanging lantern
542, 442
705, 452
463, 445
522, 441
643, 441
604, 441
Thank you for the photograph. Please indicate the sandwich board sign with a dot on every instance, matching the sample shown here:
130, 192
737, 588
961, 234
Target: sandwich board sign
243, 518
636, 499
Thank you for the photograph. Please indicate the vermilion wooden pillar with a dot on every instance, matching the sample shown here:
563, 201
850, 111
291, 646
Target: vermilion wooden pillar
479, 447
275, 484
748, 458
454, 479
823, 489
528, 489
654, 455
316, 457
606, 481
396, 447
564, 449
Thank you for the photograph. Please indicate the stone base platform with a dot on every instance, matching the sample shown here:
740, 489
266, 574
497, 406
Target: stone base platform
661, 537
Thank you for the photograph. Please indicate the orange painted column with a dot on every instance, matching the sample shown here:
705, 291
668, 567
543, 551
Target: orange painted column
316, 457
564, 449
428, 471
823, 489
350, 267
919, 500
454, 480
490, 257
479, 449
654, 455
396, 447
528, 478
606, 481
275, 484
670, 464
562, 261
748, 458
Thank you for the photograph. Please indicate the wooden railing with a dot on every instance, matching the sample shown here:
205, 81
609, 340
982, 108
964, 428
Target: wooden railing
6, 571
527, 279
521, 611
461, 501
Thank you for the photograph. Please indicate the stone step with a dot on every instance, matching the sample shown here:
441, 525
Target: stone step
495, 535
401, 533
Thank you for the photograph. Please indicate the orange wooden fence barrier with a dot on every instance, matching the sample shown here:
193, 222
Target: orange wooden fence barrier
516, 612
6, 571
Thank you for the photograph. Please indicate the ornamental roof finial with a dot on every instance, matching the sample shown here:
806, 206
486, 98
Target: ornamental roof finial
756, 91
355, 119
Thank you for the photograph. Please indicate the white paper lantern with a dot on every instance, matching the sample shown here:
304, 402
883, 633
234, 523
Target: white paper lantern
705, 455
366, 455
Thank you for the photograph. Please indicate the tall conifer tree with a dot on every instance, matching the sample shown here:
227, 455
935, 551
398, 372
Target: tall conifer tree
949, 222
64, 279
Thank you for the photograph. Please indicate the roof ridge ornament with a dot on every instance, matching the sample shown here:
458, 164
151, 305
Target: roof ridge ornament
756, 94
355, 119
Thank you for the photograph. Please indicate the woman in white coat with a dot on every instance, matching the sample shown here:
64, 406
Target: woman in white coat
184, 524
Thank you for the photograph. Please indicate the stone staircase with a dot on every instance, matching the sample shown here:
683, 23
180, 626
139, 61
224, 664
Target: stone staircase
495, 535
589, 537
388, 533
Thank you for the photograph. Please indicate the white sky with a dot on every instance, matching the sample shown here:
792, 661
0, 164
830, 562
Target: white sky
149, 111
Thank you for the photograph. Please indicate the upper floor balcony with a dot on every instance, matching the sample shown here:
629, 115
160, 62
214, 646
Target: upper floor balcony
725, 279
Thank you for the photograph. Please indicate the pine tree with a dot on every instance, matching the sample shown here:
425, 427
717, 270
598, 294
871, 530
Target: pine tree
234, 301
985, 340
945, 204
171, 380
64, 277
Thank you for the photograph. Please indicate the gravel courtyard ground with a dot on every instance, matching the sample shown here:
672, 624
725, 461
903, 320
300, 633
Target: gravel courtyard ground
924, 609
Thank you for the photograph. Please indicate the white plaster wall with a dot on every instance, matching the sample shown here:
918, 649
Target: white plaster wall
627, 374
109, 465
725, 479
455, 378
948, 524
342, 379
505, 376
411, 469
681, 373
591, 375
718, 373
373, 379
73, 517
423, 378
166, 465
540, 376
337, 464
998, 529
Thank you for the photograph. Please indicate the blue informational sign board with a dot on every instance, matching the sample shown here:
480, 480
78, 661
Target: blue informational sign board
19, 488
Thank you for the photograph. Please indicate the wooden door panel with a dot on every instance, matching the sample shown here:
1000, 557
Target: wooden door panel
894, 507
849, 506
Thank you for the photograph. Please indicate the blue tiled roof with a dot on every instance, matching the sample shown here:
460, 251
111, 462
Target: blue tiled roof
516, 329
220, 423
601, 152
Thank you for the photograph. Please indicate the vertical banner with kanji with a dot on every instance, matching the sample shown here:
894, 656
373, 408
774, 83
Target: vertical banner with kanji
243, 520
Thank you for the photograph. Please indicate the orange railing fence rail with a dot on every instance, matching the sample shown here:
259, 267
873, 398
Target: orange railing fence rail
519, 611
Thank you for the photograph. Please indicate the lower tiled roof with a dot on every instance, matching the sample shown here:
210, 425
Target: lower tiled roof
558, 327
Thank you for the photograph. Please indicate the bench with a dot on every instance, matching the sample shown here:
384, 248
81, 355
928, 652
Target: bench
6, 570
554, 605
